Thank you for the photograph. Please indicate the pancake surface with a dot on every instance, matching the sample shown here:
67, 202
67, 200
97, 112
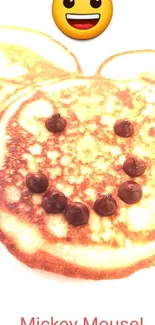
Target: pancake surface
128, 66
28, 56
84, 162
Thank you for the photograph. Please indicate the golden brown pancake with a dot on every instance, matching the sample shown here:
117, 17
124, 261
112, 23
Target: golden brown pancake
28, 56
127, 66
77, 166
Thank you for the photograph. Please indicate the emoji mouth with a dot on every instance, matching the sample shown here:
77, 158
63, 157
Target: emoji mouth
82, 21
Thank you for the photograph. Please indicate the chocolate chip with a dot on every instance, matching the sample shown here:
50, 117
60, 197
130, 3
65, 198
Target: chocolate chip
37, 182
124, 128
55, 123
105, 206
134, 167
54, 201
130, 192
77, 213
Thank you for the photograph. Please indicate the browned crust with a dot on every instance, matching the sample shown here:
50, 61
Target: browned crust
45, 262
106, 61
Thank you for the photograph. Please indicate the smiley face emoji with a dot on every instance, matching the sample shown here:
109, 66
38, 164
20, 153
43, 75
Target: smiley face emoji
82, 19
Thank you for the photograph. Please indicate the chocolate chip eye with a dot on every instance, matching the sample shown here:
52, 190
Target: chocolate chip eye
55, 123
95, 3
124, 128
68, 3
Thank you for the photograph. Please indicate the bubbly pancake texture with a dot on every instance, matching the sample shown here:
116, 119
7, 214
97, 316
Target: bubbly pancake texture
84, 162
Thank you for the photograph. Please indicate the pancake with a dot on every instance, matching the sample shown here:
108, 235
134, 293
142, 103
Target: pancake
27, 56
128, 66
77, 166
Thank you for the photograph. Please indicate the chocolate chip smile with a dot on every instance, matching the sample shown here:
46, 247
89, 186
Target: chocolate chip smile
83, 21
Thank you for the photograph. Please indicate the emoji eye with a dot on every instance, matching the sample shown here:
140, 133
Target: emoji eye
68, 3
95, 3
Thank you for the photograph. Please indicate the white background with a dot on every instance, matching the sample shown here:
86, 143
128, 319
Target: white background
27, 293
